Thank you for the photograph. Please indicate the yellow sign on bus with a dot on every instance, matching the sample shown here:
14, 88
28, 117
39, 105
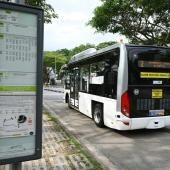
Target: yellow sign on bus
157, 93
154, 75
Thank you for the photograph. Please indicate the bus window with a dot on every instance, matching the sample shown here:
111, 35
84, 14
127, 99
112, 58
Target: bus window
84, 78
72, 84
148, 64
110, 78
67, 83
77, 81
97, 78
103, 77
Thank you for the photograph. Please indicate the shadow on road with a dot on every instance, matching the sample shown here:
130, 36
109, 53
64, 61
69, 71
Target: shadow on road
141, 133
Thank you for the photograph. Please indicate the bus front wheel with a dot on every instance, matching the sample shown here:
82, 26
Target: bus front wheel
98, 115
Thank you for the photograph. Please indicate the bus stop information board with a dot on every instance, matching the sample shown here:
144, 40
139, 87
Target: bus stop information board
21, 34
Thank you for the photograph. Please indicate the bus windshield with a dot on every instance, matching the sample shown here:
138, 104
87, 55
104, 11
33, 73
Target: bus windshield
148, 65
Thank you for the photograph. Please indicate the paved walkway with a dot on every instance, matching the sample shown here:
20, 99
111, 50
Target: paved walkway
60, 151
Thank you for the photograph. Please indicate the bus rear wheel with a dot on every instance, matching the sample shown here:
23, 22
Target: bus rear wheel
98, 115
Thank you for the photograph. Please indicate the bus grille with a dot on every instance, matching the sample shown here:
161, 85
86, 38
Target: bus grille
153, 104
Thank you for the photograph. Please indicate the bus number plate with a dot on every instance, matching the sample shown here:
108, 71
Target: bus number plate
156, 112
157, 93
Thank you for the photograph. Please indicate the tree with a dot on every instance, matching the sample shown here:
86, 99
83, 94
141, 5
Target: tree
51, 57
65, 52
62, 56
104, 44
81, 48
49, 12
141, 21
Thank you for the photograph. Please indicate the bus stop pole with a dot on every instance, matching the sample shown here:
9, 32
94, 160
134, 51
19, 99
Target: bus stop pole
16, 166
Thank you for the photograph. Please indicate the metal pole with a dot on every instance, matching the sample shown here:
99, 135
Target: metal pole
55, 66
16, 166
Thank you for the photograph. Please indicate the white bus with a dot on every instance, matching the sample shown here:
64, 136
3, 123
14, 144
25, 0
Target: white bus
123, 86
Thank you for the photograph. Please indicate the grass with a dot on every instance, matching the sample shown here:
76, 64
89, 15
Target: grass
96, 165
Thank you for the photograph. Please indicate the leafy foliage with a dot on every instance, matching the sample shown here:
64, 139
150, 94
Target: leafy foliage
104, 44
81, 48
62, 56
69, 53
52, 58
49, 12
142, 21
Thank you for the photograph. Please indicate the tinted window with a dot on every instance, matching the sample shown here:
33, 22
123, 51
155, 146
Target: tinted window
84, 78
147, 64
103, 75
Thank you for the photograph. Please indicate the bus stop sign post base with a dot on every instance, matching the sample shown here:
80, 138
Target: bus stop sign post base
16, 166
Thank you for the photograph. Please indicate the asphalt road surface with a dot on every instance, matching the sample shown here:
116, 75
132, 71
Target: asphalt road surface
128, 150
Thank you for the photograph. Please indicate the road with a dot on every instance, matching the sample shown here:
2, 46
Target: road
128, 150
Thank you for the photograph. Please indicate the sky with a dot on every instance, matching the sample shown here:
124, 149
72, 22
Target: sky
70, 28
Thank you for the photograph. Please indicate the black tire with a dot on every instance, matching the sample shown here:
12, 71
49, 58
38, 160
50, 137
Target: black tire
98, 115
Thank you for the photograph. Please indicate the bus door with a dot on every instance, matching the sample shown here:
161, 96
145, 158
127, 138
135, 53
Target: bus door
149, 82
74, 86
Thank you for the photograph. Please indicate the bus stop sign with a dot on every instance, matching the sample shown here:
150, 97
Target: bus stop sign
21, 48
